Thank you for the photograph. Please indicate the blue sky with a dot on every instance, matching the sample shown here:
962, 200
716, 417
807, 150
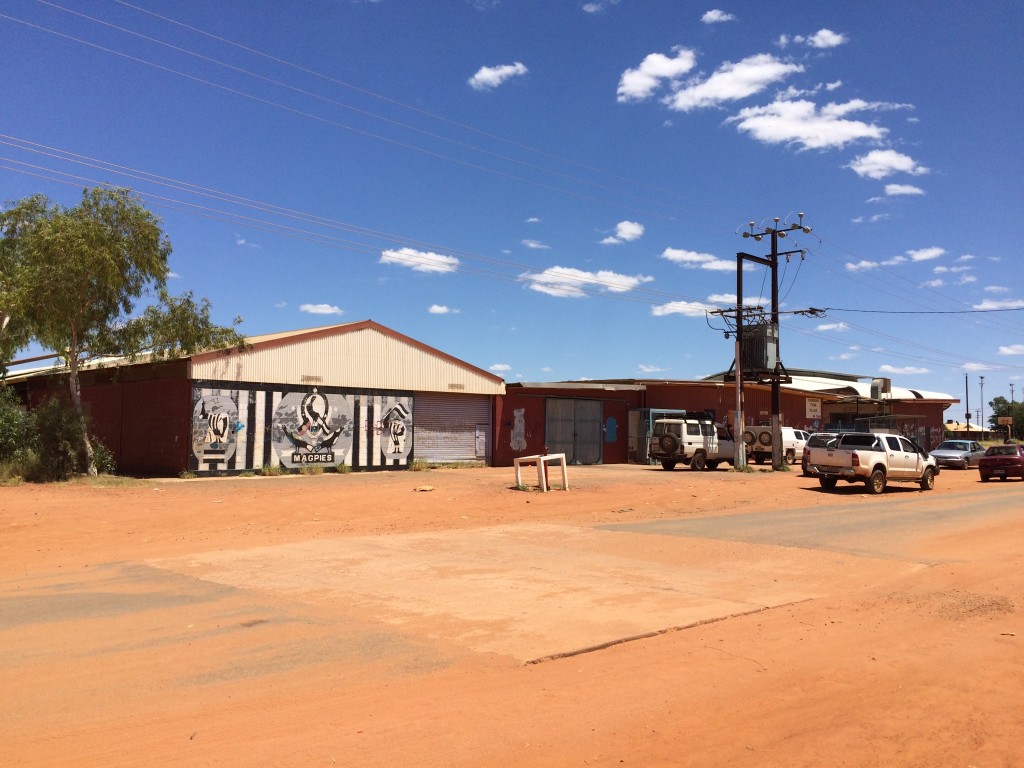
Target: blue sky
555, 189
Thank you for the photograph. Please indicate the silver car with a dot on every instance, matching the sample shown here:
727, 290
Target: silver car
959, 454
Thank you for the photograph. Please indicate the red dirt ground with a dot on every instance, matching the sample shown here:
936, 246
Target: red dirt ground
386, 620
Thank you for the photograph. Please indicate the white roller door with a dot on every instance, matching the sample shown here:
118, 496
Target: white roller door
451, 427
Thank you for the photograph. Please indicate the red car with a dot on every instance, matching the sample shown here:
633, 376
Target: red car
1002, 461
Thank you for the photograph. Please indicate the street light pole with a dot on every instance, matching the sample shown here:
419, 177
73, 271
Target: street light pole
967, 403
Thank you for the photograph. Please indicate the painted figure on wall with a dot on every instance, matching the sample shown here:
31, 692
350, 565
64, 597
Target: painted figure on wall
214, 428
312, 428
395, 425
518, 441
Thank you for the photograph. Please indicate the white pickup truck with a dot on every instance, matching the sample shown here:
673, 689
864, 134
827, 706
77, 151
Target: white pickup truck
874, 459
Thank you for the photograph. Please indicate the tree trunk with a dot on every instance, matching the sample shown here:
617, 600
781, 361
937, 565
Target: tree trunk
76, 403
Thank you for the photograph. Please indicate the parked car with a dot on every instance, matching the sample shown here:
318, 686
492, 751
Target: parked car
759, 443
960, 454
1002, 461
817, 440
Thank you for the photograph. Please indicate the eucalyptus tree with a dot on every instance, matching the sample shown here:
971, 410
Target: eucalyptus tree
71, 280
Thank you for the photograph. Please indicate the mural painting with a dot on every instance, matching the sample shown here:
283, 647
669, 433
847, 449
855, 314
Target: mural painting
215, 428
313, 428
247, 429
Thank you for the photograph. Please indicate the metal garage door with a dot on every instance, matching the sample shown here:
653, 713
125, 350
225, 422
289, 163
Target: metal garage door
451, 427
573, 427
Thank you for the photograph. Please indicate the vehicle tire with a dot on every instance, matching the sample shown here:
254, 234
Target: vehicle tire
712, 465
791, 456
748, 437
967, 463
876, 483
759, 458
669, 443
668, 464
1002, 477
698, 461
984, 478
928, 480
828, 483
765, 438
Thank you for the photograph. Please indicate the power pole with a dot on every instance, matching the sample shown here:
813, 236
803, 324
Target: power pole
771, 261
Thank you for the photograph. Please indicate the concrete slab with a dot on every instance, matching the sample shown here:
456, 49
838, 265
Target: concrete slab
530, 591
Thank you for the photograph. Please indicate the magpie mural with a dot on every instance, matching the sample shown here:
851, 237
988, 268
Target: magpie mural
239, 428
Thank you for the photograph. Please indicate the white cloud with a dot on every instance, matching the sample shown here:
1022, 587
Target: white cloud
500, 367
321, 309
716, 16
842, 356
533, 220
625, 232
731, 82
976, 367
861, 266
598, 7
696, 260
570, 283
996, 289
880, 163
491, 77
242, 242
536, 245
906, 371
936, 283
966, 257
840, 327
826, 38
649, 368
173, 276
638, 84
926, 254
420, 261
440, 309
1013, 349
965, 279
823, 38
281, 304
1000, 304
801, 122
902, 189
546, 369
834, 85
725, 298
685, 308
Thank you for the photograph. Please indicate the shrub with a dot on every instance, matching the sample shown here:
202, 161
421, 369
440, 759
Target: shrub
104, 458
268, 470
311, 469
17, 426
342, 468
59, 439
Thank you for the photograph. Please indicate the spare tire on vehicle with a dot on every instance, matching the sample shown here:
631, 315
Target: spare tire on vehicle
748, 437
765, 438
669, 443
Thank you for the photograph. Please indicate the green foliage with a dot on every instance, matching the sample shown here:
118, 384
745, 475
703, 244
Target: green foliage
269, 470
18, 467
17, 425
187, 474
343, 468
311, 469
70, 279
59, 441
103, 458
419, 465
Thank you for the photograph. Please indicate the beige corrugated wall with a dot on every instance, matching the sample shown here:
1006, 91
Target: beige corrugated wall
365, 358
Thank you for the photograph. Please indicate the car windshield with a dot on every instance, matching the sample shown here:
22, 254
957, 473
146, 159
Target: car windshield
818, 441
954, 445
